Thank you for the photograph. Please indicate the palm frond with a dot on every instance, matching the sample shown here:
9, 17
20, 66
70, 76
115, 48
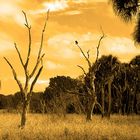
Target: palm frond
136, 33
126, 9
135, 61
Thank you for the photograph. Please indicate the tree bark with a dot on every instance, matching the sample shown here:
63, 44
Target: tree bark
23, 114
109, 99
90, 107
103, 103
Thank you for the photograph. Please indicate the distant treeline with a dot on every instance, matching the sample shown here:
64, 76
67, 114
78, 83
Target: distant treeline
66, 95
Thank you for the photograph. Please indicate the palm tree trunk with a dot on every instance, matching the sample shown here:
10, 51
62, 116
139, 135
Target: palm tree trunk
103, 103
109, 99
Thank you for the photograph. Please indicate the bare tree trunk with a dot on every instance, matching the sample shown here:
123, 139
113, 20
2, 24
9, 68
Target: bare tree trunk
90, 79
90, 107
103, 103
109, 99
23, 114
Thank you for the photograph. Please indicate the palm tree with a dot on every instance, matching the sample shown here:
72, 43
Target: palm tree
135, 64
129, 10
126, 84
107, 67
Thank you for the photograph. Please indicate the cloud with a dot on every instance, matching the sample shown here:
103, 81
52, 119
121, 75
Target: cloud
72, 12
11, 11
62, 45
5, 43
46, 82
52, 6
39, 81
55, 6
120, 45
52, 66
87, 1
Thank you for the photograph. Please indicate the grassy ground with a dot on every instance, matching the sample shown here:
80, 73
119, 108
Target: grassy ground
71, 127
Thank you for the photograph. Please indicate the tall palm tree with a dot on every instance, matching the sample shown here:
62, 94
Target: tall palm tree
129, 10
135, 64
107, 67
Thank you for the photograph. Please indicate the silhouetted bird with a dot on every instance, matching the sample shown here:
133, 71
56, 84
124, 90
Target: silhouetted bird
76, 42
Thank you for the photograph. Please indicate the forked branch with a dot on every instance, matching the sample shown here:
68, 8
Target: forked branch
36, 66
40, 57
86, 57
35, 79
30, 40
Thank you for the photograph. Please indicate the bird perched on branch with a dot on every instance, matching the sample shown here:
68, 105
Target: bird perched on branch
76, 42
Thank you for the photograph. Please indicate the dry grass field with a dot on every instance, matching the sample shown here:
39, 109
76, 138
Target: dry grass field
71, 127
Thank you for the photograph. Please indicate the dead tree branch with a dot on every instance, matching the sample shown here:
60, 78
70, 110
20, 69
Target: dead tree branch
14, 74
30, 40
36, 66
39, 58
98, 46
19, 54
88, 53
89, 80
27, 91
86, 57
82, 69
34, 81
42, 35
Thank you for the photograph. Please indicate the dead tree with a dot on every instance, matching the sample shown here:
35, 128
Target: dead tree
26, 89
90, 93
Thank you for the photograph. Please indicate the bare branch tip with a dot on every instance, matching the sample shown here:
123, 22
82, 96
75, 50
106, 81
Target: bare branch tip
48, 11
43, 55
23, 12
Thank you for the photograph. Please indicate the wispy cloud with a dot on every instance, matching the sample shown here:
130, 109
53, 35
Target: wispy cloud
56, 6
62, 45
119, 46
11, 11
52, 66
5, 43
72, 12
88, 1
46, 82
39, 81
52, 6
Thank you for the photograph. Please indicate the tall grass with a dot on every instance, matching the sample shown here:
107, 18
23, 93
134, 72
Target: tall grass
71, 127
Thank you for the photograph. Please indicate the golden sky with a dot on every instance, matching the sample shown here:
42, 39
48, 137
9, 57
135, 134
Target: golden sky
69, 20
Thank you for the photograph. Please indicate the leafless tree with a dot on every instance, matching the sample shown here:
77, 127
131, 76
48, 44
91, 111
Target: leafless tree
89, 81
26, 89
